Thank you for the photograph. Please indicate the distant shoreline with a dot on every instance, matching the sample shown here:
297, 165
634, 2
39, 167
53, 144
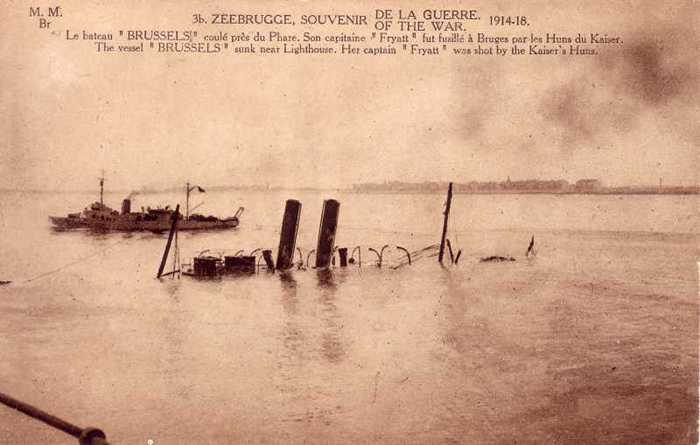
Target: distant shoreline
369, 192
516, 192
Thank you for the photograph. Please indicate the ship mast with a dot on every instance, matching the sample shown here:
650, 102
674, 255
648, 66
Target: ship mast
102, 187
187, 201
189, 189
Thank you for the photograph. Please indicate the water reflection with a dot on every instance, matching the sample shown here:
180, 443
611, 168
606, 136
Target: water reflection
455, 309
289, 292
332, 347
326, 278
292, 336
173, 328
172, 287
291, 333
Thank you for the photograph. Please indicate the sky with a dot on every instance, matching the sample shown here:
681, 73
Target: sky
628, 116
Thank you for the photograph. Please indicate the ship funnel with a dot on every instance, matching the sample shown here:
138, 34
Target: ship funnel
126, 206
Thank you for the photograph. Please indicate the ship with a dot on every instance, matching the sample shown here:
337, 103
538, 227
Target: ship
100, 217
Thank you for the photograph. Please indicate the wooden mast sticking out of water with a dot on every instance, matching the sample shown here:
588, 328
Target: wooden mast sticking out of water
444, 224
173, 228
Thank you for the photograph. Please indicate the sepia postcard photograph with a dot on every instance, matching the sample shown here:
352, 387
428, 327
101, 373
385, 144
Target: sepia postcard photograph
349, 222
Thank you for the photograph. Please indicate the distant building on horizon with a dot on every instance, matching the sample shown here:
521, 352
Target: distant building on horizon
588, 185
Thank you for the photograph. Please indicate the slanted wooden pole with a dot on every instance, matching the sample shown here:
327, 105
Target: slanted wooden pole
173, 228
288, 234
444, 224
326, 233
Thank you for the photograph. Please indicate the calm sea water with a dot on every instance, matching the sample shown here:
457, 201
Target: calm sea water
593, 341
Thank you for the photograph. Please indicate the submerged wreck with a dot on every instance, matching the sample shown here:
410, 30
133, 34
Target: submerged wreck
216, 263
496, 259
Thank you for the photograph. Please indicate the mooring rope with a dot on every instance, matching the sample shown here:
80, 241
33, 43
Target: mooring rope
73, 263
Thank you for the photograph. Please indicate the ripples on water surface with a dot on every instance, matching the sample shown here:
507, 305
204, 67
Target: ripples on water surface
594, 341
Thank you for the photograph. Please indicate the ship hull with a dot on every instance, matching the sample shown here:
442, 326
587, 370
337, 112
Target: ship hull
127, 225
64, 223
